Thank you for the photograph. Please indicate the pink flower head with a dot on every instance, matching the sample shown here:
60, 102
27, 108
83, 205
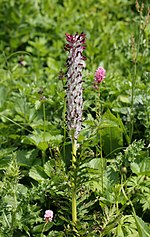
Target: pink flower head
100, 74
48, 216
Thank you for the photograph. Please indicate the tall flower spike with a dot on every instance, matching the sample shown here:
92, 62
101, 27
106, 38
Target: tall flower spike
75, 64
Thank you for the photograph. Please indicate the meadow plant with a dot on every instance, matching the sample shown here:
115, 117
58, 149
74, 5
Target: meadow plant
48, 216
108, 183
100, 74
75, 65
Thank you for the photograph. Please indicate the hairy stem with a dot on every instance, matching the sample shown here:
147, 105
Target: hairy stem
74, 205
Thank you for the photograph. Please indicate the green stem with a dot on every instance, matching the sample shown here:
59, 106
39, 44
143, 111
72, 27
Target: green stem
74, 205
44, 118
98, 116
132, 103
128, 199
44, 130
102, 173
43, 229
134, 78
43, 157
64, 125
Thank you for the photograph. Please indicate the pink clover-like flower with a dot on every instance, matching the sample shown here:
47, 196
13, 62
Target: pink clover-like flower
48, 216
100, 74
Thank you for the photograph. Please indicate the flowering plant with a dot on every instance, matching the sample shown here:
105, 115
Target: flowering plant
48, 216
100, 74
75, 65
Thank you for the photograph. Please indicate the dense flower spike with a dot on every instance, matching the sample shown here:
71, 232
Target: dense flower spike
48, 216
100, 74
75, 65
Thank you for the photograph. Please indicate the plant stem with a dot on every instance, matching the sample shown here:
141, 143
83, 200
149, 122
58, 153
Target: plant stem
64, 125
44, 118
132, 103
43, 230
44, 130
134, 78
74, 205
99, 118
43, 157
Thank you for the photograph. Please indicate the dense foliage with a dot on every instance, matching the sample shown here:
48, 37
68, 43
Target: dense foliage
112, 175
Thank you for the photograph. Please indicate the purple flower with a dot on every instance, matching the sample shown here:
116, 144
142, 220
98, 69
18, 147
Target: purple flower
48, 216
75, 64
100, 74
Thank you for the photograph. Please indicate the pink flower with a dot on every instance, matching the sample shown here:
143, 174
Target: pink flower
48, 216
100, 74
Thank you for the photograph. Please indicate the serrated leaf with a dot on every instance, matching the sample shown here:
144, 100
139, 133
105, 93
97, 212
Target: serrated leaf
143, 228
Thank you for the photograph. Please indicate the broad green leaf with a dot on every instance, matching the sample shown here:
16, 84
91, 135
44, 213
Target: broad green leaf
124, 99
135, 168
142, 168
145, 166
48, 168
26, 158
111, 133
37, 173
95, 163
42, 145
123, 129
39, 228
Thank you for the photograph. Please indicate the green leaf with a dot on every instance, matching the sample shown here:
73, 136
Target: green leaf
143, 228
143, 168
39, 228
43, 145
135, 168
26, 158
37, 173
48, 168
111, 133
52, 64
5, 157
3, 96
124, 99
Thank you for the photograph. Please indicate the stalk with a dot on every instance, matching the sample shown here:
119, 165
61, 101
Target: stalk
74, 101
74, 202
44, 130
44, 118
100, 74
136, 49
